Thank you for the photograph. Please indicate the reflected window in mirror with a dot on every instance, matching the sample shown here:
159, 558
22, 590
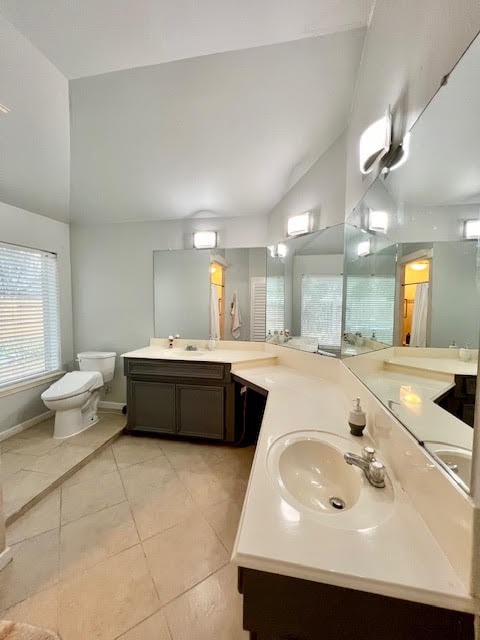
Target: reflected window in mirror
305, 292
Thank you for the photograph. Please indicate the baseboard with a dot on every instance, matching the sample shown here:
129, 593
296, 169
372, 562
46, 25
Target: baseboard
115, 406
8, 433
5, 556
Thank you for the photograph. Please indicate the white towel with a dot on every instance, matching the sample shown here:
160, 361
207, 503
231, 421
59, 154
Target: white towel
236, 317
214, 313
418, 336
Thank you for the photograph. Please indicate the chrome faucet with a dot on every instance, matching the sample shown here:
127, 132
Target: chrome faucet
373, 469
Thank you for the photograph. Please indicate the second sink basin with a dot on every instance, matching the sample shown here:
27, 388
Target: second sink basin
309, 470
456, 459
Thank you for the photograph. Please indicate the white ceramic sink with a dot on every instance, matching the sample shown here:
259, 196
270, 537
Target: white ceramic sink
309, 470
457, 459
314, 471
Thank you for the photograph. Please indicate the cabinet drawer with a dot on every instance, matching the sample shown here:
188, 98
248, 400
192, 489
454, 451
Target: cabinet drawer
176, 369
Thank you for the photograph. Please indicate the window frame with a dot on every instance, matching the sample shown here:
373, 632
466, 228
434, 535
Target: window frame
46, 281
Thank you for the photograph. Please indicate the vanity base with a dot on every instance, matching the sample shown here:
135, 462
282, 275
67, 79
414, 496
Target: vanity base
277, 607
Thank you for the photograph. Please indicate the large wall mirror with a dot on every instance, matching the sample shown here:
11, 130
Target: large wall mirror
305, 292
429, 210
202, 294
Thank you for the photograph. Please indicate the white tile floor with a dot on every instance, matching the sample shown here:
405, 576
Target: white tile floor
134, 546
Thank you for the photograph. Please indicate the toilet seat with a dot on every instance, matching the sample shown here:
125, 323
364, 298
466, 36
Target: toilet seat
73, 384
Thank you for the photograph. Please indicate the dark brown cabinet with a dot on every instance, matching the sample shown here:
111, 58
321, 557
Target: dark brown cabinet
194, 399
277, 607
153, 404
200, 410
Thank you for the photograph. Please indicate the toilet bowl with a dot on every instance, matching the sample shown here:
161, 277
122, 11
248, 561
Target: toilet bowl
74, 397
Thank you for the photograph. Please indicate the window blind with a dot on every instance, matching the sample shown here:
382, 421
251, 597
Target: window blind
29, 316
370, 306
275, 311
321, 314
257, 308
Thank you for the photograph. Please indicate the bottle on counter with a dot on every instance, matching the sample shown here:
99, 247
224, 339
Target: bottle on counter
211, 344
357, 419
464, 353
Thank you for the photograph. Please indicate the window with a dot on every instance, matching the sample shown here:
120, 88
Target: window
370, 306
275, 312
29, 323
322, 309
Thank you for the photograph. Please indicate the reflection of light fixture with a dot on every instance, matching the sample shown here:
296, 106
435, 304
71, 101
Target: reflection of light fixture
375, 142
363, 248
297, 225
418, 266
278, 250
205, 239
378, 221
471, 230
4, 109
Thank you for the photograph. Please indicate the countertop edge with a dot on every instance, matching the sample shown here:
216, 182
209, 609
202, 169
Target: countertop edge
436, 599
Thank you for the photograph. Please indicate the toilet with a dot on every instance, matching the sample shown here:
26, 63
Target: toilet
74, 397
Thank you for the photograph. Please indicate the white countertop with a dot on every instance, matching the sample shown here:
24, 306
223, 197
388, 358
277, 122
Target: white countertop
399, 557
228, 356
418, 411
439, 365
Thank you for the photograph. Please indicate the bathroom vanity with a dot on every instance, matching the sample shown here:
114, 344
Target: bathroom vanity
371, 570
183, 393
181, 398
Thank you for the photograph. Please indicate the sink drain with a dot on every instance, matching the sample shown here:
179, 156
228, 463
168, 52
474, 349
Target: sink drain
337, 503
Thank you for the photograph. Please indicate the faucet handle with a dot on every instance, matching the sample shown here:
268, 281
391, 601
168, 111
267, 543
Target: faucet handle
376, 472
368, 453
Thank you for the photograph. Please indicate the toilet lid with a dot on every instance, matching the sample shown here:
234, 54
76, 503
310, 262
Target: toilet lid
96, 354
72, 384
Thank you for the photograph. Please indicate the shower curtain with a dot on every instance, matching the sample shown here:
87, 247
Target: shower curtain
214, 314
418, 336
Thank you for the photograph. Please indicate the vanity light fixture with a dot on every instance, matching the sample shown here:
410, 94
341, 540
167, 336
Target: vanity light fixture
363, 248
205, 239
375, 142
399, 155
278, 250
298, 225
378, 221
471, 230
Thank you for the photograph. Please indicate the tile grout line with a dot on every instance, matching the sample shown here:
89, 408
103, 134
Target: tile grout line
136, 528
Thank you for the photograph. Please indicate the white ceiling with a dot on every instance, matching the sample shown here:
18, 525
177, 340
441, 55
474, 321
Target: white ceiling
90, 37
225, 133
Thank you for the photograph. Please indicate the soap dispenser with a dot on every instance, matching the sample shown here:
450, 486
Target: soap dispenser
357, 419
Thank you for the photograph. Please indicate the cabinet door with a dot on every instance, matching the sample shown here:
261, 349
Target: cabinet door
152, 406
200, 411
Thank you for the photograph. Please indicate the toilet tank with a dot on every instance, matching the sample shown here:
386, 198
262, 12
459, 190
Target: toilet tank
103, 361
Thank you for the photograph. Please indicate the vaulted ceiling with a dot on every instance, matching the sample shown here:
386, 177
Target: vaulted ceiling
179, 109
90, 37
228, 133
